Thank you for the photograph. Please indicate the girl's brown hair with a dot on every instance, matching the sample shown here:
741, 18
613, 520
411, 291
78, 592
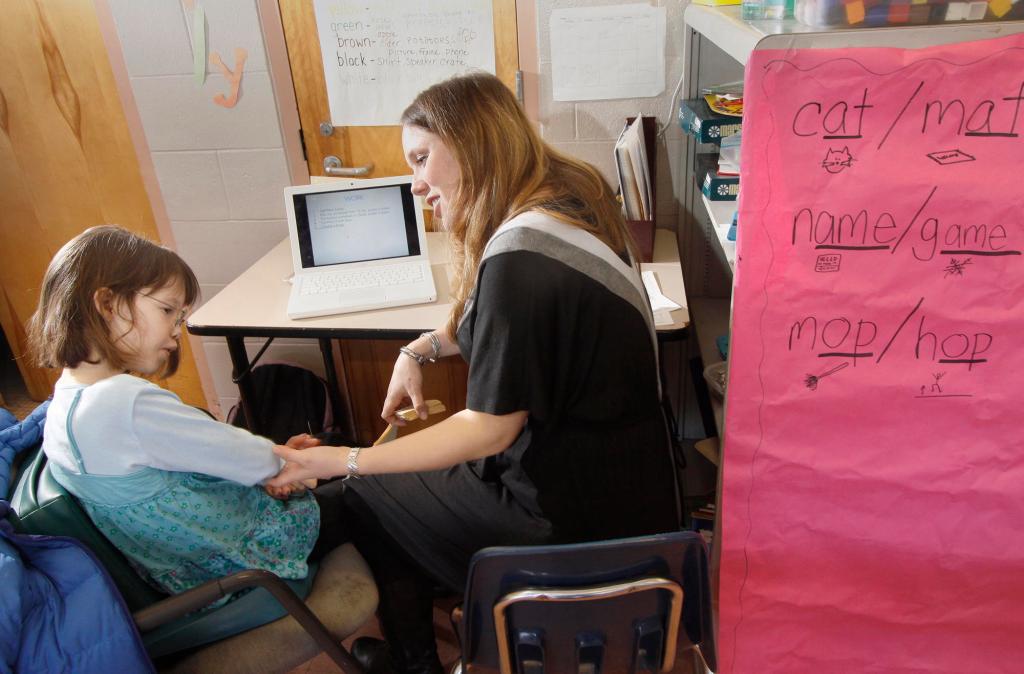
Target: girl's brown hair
506, 170
67, 328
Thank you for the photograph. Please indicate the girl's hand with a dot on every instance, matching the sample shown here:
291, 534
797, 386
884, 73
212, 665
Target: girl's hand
284, 492
406, 385
321, 461
302, 441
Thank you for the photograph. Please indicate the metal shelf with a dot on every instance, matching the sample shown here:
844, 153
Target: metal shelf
721, 213
711, 319
724, 27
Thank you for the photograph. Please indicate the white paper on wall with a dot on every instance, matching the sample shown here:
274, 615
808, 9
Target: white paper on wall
379, 55
617, 51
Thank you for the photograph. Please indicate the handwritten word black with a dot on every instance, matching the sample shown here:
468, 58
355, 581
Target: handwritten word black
351, 60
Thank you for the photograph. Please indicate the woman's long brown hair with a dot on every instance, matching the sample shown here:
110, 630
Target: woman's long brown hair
506, 170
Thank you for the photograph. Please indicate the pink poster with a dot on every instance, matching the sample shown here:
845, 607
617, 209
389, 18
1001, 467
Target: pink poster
873, 499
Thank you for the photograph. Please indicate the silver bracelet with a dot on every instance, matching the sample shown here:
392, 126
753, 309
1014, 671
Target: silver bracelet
419, 358
435, 344
352, 464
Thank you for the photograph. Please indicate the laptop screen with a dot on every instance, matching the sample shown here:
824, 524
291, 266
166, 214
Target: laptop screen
356, 225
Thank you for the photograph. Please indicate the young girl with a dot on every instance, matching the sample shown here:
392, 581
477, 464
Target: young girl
170, 487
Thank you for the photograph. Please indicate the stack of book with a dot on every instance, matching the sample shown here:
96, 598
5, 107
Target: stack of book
714, 184
697, 118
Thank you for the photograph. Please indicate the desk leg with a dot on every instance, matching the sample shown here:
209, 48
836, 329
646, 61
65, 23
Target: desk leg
342, 412
241, 374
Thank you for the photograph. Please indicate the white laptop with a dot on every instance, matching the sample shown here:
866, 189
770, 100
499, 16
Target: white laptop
356, 245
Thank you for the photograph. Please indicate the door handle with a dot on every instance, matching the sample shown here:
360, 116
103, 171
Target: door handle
334, 167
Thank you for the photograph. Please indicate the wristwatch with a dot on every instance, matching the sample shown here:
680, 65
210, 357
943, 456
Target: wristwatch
352, 464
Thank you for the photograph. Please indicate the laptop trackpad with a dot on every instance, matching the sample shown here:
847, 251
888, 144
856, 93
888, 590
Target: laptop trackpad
361, 297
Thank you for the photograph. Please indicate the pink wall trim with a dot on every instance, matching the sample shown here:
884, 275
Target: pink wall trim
526, 26
284, 90
108, 29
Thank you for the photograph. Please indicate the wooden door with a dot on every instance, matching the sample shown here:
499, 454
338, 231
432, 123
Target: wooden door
362, 145
366, 365
66, 161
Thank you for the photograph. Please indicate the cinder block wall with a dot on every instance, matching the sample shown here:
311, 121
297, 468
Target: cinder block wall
588, 129
220, 170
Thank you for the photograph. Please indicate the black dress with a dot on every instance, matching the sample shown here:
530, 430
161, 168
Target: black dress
559, 326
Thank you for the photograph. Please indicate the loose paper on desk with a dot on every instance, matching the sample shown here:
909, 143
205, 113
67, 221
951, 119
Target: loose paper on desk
378, 56
661, 306
617, 51
873, 492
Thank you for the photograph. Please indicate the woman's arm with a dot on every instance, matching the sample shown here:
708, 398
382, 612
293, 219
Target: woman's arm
461, 437
407, 376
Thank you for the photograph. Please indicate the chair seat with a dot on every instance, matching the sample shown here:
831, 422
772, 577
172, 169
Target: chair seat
343, 597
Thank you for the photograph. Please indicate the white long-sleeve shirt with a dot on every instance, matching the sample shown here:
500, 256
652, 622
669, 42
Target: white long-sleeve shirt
123, 424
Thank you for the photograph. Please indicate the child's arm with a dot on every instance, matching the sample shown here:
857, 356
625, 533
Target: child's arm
176, 437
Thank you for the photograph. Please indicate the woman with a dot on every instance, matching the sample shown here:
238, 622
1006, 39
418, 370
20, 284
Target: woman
563, 438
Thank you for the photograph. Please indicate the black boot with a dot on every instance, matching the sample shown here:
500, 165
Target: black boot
373, 655
406, 606
406, 614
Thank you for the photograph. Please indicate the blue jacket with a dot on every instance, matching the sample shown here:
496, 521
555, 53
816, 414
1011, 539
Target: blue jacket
59, 610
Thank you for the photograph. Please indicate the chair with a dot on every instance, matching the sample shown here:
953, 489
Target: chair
269, 629
613, 606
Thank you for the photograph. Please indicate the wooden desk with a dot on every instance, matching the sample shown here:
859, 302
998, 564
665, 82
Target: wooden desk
254, 305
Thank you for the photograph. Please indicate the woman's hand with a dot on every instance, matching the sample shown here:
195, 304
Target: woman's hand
321, 461
406, 385
284, 491
407, 377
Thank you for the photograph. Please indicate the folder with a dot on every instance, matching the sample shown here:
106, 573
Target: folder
635, 164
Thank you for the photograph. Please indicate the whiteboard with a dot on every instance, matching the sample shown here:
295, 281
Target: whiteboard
377, 56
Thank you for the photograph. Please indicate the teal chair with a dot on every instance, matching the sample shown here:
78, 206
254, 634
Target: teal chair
273, 628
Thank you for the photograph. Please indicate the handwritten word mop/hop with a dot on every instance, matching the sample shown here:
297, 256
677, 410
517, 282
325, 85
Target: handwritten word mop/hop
851, 119
842, 337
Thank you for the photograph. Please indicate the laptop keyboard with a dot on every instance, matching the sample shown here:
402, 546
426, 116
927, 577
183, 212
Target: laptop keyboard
354, 279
